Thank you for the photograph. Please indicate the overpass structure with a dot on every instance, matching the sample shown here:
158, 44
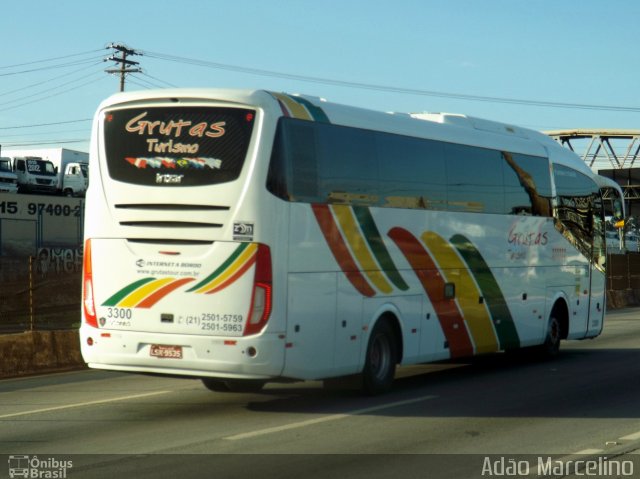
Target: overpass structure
609, 152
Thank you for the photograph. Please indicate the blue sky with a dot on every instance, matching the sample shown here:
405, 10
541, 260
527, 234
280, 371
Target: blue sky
559, 51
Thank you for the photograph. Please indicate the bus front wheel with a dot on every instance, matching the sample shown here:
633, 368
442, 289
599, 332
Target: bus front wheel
382, 356
551, 346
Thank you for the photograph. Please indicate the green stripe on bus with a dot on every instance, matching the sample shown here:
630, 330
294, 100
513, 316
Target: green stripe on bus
502, 319
317, 113
222, 267
372, 235
124, 292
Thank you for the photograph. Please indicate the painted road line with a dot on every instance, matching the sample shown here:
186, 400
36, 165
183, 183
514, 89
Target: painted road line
82, 404
631, 437
319, 420
588, 452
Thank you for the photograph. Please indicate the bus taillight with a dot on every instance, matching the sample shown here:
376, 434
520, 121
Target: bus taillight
87, 288
260, 309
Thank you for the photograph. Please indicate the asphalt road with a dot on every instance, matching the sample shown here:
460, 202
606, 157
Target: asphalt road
440, 420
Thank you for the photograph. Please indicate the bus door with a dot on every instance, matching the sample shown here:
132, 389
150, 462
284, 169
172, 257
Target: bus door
597, 273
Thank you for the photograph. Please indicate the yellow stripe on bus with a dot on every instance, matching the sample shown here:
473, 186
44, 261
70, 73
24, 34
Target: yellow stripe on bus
468, 295
233, 267
296, 109
131, 300
367, 263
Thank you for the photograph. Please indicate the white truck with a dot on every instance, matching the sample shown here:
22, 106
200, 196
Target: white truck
8, 179
71, 168
34, 175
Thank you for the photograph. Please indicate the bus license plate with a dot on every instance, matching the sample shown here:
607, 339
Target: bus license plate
164, 351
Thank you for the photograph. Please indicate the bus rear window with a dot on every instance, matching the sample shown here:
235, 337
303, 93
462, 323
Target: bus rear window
177, 146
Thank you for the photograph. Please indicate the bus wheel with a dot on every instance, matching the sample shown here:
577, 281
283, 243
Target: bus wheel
551, 345
380, 364
215, 385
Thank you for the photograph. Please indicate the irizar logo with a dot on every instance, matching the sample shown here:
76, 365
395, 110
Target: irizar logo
168, 179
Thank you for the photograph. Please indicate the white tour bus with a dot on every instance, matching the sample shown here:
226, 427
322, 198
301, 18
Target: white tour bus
249, 236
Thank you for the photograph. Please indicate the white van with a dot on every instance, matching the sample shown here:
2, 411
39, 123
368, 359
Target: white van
8, 179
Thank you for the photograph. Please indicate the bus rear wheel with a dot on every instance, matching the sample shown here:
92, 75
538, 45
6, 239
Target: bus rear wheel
382, 356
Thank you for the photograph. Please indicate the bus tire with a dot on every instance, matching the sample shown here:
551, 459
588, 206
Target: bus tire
215, 385
380, 362
551, 346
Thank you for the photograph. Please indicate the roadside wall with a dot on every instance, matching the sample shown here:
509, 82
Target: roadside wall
39, 352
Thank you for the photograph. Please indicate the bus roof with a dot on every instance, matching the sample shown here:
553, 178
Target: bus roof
449, 127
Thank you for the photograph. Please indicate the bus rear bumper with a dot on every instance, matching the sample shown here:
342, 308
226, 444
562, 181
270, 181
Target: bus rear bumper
253, 357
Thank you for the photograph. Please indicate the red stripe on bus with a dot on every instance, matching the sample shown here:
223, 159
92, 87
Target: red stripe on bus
250, 262
452, 322
340, 250
162, 292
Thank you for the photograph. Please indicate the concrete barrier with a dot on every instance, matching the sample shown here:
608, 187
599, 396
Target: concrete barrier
34, 352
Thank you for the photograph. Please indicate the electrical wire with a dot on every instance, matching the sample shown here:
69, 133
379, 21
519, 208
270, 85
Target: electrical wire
50, 59
387, 88
74, 88
51, 67
50, 89
64, 75
44, 142
45, 124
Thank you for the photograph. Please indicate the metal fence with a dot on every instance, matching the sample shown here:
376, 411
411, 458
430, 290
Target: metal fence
623, 272
41, 292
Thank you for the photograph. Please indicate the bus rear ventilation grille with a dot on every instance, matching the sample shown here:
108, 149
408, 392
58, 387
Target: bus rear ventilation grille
170, 207
170, 224
166, 242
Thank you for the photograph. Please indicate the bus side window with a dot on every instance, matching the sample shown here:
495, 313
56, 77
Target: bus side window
347, 165
577, 206
475, 179
527, 185
292, 173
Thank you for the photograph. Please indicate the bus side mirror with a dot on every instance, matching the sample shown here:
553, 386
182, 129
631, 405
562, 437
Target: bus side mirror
617, 210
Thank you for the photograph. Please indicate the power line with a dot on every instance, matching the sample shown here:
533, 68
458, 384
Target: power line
159, 80
15, 137
48, 89
64, 75
75, 88
387, 88
51, 67
45, 124
44, 142
49, 59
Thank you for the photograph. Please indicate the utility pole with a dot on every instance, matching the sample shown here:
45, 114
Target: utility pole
126, 66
